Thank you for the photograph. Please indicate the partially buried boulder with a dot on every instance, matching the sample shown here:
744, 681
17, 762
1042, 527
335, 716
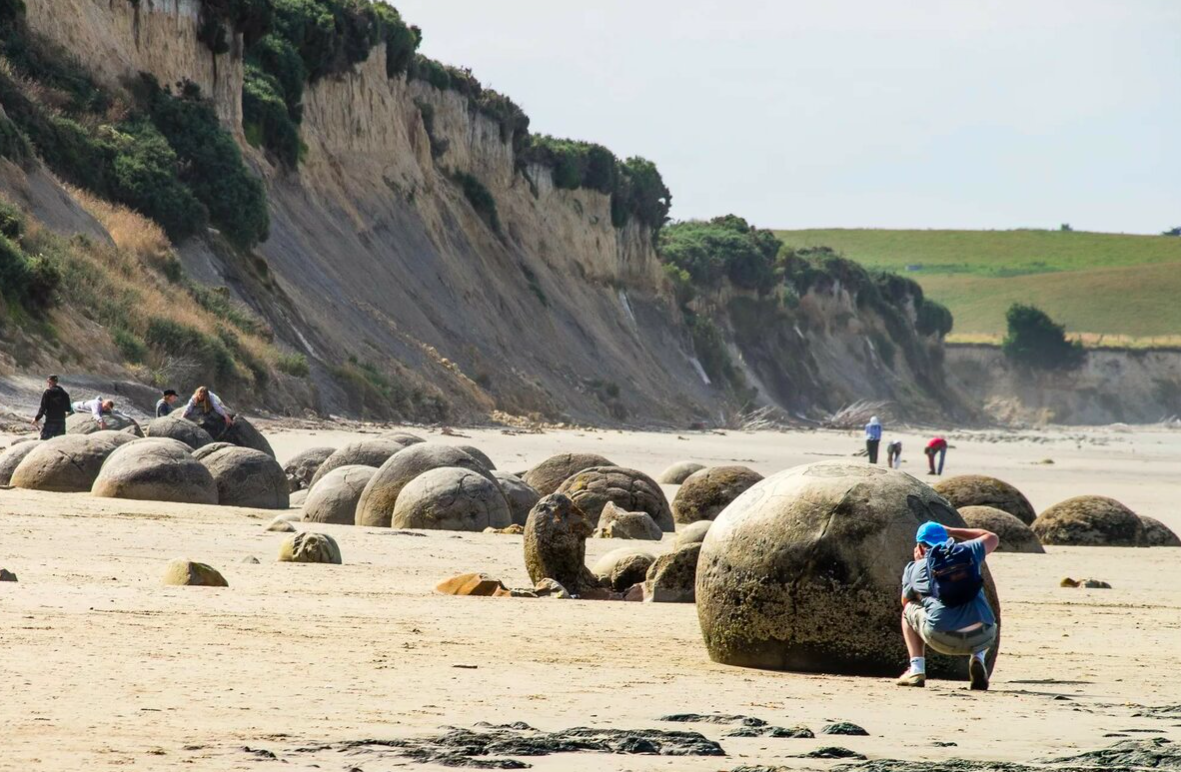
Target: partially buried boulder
1015, 535
548, 476
478, 585
376, 506
975, 490
555, 544
11, 458
614, 523
334, 499
672, 577
177, 428
248, 478
520, 495
1157, 534
802, 572
309, 547
372, 452
451, 499
1090, 521
148, 470
67, 464
190, 573
303, 467
628, 489
706, 493
406, 438
694, 533
84, 423
678, 472
623, 567
208, 450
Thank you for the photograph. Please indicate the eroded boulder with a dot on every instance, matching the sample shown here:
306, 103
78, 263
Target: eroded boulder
208, 450
334, 498
679, 472
451, 499
248, 478
628, 489
309, 547
520, 495
177, 428
976, 490
84, 423
672, 577
151, 470
614, 523
802, 572
189, 573
10, 459
372, 452
555, 544
377, 503
1090, 521
66, 464
707, 492
623, 567
1015, 535
549, 475
303, 467
1156, 533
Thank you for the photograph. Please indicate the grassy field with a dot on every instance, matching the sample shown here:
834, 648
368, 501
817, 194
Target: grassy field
1112, 289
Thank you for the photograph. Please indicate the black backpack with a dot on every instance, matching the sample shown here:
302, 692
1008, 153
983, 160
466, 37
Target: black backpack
954, 573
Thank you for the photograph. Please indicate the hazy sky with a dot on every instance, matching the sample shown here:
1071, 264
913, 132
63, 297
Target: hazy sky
843, 113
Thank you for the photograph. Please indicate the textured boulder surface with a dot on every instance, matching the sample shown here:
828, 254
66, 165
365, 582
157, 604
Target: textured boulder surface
303, 467
84, 423
614, 523
704, 494
520, 495
1015, 535
372, 452
66, 464
213, 447
1156, 533
309, 547
1090, 521
151, 470
975, 490
248, 478
623, 567
376, 507
189, 573
246, 435
555, 544
672, 577
479, 455
549, 475
694, 533
405, 438
803, 572
10, 459
451, 499
334, 498
177, 428
678, 472
298, 498
628, 489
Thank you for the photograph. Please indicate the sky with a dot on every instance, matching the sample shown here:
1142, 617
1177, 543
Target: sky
854, 113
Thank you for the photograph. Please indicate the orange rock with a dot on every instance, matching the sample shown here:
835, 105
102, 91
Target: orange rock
471, 584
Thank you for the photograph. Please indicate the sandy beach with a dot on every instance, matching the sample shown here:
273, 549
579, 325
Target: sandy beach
104, 667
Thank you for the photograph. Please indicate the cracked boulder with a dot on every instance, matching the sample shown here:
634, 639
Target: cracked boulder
704, 494
549, 475
149, 470
310, 547
303, 467
630, 490
84, 423
555, 544
66, 464
451, 499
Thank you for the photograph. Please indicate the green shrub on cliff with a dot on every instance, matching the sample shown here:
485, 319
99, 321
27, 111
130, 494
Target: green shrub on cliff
724, 248
480, 198
1036, 341
28, 280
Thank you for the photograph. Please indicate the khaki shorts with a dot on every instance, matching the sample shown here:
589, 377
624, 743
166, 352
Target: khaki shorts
953, 644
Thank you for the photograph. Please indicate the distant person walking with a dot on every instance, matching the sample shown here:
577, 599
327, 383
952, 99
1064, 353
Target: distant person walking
97, 407
873, 438
164, 406
937, 446
55, 406
894, 454
207, 410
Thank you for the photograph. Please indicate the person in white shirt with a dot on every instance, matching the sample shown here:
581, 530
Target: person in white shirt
98, 407
204, 408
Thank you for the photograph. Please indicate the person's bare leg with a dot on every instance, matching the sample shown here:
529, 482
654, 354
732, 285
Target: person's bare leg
915, 646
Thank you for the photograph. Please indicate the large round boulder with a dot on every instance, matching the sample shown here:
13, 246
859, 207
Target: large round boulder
678, 472
334, 499
372, 452
520, 495
246, 435
555, 544
977, 490
376, 507
623, 567
303, 467
479, 455
248, 478
707, 492
803, 572
310, 547
1015, 535
549, 475
628, 489
119, 438
1090, 521
66, 464
1157, 534
10, 459
451, 499
213, 447
84, 423
177, 428
149, 470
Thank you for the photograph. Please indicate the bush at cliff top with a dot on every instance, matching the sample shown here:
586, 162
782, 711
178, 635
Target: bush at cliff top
266, 119
1035, 341
722, 248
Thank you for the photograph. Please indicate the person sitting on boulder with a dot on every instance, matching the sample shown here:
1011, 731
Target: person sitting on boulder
207, 411
164, 406
943, 603
55, 406
894, 454
98, 407
873, 438
937, 445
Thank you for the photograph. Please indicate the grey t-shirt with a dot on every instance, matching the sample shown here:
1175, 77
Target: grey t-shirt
916, 585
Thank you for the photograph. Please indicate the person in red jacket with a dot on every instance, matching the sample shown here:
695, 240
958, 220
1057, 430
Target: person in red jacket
937, 445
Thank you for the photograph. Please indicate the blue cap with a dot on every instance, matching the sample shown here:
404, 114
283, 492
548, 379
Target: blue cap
931, 533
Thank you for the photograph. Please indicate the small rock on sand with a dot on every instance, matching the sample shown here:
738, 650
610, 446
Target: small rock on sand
480, 585
189, 573
6, 575
281, 525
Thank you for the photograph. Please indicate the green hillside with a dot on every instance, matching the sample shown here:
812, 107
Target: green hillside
1098, 284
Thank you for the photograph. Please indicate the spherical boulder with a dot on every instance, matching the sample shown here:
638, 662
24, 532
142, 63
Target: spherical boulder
451, 499
248, 478
479, 455
707, 492
976, 490
1015, 535
803, 572
548, 476
334, 499
1090, 521
372, 452
246, 435
555, 544
628, 489
303, 467
189, 573
165, 442
177, 428
623, 567
66, 464
10, 459
520, 495
213, 447
376, 506
84, 423
1156, 533
694, 533
148, 470
676, 474
310, 547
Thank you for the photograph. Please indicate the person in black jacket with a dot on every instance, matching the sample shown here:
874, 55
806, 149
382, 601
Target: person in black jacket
55, 406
